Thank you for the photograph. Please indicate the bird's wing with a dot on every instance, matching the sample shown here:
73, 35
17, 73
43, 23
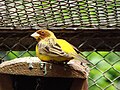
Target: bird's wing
75, 48
51, 48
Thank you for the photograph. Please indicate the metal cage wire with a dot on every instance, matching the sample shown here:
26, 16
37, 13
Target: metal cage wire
91, 25
56, 13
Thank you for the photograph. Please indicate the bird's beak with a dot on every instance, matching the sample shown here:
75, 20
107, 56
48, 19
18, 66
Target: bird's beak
35, 35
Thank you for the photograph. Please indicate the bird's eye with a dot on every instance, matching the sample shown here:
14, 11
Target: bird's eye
42, 33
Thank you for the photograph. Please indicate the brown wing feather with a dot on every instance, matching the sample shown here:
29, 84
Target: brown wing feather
52, 49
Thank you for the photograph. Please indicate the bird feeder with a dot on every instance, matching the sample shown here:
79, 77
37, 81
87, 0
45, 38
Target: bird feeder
30, 73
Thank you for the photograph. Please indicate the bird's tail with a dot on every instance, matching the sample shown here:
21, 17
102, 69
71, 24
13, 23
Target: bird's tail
78, 57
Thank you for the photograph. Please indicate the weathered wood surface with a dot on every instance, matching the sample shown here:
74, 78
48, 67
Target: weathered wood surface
20, 66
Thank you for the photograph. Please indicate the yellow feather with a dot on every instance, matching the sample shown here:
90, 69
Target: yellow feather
66, 47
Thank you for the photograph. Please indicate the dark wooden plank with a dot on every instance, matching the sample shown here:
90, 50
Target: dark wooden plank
54, 73
85, 40
5, 82
79, 84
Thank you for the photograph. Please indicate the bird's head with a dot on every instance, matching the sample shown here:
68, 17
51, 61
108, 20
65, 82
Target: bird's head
42, 34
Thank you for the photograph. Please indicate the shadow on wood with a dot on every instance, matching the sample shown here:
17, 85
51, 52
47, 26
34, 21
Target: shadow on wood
5, 82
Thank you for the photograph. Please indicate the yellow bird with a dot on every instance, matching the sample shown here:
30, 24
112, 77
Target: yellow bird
49, 48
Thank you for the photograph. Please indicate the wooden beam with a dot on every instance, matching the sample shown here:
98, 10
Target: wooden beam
84, 40
21, 66
32, 66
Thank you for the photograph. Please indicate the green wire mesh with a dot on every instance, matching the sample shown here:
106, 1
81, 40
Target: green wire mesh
72, 20
60, 13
